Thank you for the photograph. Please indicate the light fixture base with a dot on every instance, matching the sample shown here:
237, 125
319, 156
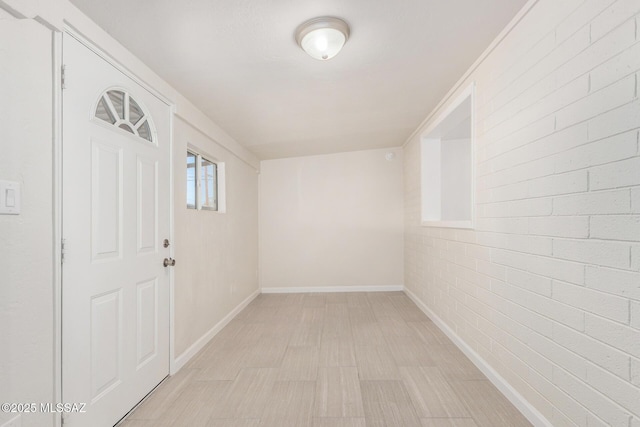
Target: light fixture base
323, 37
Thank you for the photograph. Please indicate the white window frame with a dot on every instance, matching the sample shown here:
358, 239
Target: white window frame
195, 190
430, 168
220, 182
199, 185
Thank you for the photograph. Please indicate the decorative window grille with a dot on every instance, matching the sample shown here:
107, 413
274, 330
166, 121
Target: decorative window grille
118, 108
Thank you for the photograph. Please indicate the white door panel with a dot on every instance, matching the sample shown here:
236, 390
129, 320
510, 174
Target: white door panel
115, 315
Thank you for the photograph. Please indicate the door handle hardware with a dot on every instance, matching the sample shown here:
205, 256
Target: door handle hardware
169, 262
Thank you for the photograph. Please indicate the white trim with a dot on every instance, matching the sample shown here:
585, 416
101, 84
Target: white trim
496, 42
198, 181
58, 60
324, 289
182, 360
526, 408
89, 44
222, 187
18, 10
57, 221
108, 48
172, 250
469, 91
186, 118
449, 224
48, 14
427, 169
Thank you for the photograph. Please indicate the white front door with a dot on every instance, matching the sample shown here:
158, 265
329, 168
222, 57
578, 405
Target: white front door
115, 288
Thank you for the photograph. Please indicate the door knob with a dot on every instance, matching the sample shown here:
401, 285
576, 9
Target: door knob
169, 262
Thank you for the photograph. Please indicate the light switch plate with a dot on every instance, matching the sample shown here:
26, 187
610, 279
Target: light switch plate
10, 198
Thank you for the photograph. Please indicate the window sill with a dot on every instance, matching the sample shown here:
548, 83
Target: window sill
449, 224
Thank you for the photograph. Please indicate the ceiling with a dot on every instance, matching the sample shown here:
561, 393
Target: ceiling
238, 62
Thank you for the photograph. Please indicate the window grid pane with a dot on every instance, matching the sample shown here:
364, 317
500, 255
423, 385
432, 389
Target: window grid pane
144, 131
135, 112
208, 184
191, 180
117, 99
103, 112
126, 127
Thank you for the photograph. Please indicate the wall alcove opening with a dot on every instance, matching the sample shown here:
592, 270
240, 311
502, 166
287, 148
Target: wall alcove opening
447, 155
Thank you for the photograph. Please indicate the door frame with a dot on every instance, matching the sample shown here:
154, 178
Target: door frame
58, 208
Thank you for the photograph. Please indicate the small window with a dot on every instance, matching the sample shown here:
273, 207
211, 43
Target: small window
447, 167
118, 108
203, 183
191, 179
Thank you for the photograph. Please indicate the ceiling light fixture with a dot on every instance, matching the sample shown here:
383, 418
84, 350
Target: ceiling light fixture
322, 38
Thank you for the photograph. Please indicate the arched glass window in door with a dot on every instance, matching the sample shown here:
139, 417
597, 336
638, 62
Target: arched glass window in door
118, 108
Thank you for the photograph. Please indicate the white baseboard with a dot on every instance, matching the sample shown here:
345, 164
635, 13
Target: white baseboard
182, 360
528, 410
320, 289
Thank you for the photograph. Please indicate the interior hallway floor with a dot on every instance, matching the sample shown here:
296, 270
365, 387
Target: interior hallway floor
328, 360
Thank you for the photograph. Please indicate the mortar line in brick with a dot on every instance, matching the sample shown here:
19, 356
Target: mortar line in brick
522, 57
597, 240
431, 271
525, 197
551, 51
499, 108
611, 30
555, 123
600, 240
586, 143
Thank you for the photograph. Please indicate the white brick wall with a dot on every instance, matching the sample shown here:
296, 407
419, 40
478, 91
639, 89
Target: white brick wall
546, 289
635, 314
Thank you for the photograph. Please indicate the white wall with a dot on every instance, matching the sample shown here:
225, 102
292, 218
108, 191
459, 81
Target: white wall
206, 270
216, 253
227, 263
26, 240
547, 288
456, 194
331, 220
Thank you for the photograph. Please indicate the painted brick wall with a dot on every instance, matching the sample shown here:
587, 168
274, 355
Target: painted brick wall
546, 289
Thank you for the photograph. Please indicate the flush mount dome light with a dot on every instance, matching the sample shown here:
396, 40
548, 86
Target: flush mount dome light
322, 38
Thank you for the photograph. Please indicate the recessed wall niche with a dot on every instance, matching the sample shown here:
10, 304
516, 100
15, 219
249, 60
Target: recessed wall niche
448, 166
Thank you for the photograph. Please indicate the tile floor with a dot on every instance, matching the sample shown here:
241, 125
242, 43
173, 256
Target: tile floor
328, 360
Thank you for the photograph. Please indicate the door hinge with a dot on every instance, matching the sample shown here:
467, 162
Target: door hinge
63, 250
63, 77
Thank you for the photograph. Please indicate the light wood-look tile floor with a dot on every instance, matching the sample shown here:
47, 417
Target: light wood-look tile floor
328, 360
